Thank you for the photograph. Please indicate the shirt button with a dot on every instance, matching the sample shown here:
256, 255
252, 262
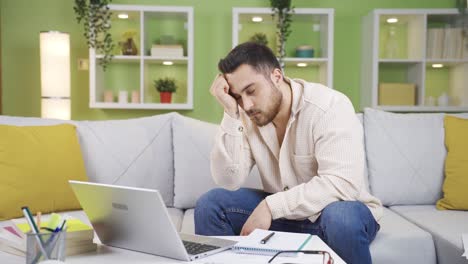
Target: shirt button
240, 129
286, 188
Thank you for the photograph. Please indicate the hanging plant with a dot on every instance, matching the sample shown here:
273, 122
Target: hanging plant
95, 15
282, 14
462, 5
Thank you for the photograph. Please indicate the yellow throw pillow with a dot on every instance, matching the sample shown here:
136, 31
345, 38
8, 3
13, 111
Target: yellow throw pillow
36, 163
456, 165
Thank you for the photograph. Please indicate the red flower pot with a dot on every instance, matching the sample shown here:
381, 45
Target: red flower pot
165, 97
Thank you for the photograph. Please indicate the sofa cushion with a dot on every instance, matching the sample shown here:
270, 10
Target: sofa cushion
456, 165
188, 222
405, 154
134, 152
177, 216
400, 241
193, 141
36, 164
445, 226
360, 116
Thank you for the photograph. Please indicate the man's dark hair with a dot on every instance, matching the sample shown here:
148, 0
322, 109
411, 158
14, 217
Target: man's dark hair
260, 57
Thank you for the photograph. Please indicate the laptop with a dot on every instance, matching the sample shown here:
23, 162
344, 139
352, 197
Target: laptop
137, 219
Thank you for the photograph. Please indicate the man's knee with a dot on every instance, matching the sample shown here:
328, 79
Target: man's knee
211, 199
344, 217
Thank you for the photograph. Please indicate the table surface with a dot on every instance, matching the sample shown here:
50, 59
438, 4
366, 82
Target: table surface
107, 255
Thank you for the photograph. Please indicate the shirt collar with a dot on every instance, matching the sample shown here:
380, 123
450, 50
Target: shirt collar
297, 89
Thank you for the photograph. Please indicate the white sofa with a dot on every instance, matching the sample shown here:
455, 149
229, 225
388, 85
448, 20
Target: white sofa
170, 152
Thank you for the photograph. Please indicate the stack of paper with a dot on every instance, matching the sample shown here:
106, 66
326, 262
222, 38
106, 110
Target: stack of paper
79, 237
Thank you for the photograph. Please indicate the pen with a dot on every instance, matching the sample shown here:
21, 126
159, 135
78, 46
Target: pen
264, 240
34, 230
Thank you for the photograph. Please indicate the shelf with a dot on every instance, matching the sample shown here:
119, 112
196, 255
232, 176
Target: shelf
140, 106
402, 39
400, 61
423, 108
402, 55
447, 62
309, 26
153, 59
122, 58
310, 61
135, 74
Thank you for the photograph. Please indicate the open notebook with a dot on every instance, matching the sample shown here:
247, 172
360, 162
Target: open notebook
279, 242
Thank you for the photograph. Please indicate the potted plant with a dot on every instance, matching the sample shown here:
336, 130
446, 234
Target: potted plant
259, 38
282, 14
95, 15
165, 87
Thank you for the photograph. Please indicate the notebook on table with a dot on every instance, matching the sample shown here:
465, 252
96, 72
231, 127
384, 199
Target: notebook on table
280, 241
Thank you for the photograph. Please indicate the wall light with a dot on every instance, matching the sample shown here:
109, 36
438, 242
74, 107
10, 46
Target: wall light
257, 19
123, 16
437, 65
55, 75
392, 20
168, 63
302, 64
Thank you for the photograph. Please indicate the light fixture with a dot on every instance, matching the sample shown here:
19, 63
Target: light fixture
257, 19
392, 20
437, 65
55, 74
123, 16
302, 64
168, 63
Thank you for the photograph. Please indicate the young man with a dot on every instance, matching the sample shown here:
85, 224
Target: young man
307, 144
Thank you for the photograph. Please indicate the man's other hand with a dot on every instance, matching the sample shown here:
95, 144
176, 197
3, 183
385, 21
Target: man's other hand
260, 218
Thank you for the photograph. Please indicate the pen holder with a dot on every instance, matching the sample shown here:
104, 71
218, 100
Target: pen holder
52, 243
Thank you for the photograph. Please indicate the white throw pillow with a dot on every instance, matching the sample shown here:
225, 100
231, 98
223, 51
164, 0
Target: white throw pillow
134, 152
193, 141
405, 155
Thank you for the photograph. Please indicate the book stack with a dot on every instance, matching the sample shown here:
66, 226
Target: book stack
167, 51
445, 43
79, 237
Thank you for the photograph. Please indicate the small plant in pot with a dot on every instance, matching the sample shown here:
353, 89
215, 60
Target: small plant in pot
165, 87
259, 38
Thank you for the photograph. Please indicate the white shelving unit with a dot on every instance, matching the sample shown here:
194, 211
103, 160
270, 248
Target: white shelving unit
310, 26
136, 73
405, 52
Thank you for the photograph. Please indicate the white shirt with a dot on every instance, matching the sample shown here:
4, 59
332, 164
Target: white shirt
320, 161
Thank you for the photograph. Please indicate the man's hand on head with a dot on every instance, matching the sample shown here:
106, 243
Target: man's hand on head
260, 218
221, 91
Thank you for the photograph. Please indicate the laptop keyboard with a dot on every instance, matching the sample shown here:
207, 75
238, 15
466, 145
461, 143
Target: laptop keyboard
194, 248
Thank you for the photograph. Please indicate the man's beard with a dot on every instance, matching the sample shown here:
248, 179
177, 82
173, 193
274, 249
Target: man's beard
262, 118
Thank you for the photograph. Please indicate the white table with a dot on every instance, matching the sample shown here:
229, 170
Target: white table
105, 255
108, 255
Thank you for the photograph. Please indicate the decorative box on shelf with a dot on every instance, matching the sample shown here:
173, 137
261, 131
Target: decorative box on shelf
169, 51
397, 94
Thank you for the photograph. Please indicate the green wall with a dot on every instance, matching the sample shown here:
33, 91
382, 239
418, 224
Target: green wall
22, 20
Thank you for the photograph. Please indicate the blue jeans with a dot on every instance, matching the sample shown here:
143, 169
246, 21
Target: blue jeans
348, 227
